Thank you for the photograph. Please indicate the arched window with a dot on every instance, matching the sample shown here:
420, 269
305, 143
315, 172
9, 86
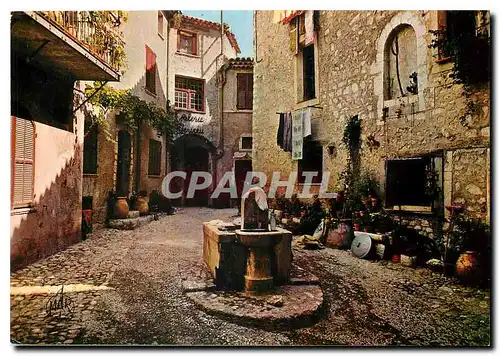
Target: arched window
400, 63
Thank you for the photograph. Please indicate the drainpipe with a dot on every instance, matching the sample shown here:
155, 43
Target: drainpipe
221, 131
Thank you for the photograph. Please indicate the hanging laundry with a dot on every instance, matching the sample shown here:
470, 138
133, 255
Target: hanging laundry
306, 117
297, 135
287, 132
279, 135
309, 25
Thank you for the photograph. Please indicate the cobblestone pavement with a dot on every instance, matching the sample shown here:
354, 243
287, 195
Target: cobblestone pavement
123, 287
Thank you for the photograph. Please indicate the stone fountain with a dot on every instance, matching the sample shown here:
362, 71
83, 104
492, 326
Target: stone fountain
256, 235
247, 275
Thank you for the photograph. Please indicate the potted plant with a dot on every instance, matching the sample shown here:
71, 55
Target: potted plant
470, 241
141, 202
340, 232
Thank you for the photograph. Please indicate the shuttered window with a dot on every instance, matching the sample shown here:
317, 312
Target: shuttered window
245, 91
154, 166
90, 149
23, 162
150, 70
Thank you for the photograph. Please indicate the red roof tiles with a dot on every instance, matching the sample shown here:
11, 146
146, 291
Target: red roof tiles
212, 25
240, 63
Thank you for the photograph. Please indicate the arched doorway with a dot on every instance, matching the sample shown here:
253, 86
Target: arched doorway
191, 153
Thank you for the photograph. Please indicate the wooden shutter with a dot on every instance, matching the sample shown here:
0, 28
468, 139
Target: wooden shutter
23, 162
195, 44
249, 92
150, 70
242, 87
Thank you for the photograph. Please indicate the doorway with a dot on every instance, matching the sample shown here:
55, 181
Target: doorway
123, 164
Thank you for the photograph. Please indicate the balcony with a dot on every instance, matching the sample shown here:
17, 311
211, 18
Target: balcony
98, 31
84, 45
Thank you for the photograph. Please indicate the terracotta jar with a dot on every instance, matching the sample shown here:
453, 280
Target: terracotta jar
468, 266
357, 227
396, 258
340, 236
121, 208
142, 205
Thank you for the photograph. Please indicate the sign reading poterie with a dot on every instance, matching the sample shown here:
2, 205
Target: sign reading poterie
193, 124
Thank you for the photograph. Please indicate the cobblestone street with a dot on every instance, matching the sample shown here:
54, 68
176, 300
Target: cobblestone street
123, 287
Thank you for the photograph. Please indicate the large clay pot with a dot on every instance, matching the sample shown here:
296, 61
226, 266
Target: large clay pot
121, 208
340, 236
468, 267
142, 205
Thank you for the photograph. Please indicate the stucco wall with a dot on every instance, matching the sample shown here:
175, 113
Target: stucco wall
351, 63
236, 123
203, 66
54, 222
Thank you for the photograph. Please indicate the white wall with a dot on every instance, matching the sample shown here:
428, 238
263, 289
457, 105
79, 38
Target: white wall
203, 66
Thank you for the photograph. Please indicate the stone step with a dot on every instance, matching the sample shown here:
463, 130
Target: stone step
133, 214
130, 224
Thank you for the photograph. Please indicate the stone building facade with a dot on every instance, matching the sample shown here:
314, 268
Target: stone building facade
197, 51
127, 171
355, 74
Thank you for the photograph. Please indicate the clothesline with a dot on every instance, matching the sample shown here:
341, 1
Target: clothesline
310, 106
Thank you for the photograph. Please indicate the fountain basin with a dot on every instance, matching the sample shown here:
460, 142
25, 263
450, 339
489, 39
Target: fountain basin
259, 269
225, 256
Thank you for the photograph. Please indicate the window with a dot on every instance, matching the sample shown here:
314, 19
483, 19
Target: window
245, 91
309, 80
154, 166
161, 25
312, 161
187, 43
246, 143
150, 71
407, 182
23, 162
90, 149
453, 24
189, 94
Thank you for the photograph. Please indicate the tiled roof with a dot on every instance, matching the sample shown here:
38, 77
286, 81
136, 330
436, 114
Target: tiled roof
241, 63
212, 25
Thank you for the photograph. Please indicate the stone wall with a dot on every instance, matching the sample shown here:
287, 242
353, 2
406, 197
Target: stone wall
351, 65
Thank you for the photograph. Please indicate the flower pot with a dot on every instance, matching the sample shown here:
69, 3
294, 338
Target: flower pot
121, 208
468, 267
357, 227
396, 258
340, 236
142, 205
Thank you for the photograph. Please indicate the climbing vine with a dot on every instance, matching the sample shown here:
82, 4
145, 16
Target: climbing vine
352, 141
131, 109
466, 43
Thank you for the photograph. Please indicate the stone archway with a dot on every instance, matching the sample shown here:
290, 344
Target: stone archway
191, 153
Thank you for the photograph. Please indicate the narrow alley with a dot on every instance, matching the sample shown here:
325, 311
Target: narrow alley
123, 287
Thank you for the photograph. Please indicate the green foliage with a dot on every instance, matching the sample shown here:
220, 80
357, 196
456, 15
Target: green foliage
131, 109
352, 134
352, 140
106, 37
469, 49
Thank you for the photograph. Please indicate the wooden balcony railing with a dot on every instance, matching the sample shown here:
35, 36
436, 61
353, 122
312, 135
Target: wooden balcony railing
99, 31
